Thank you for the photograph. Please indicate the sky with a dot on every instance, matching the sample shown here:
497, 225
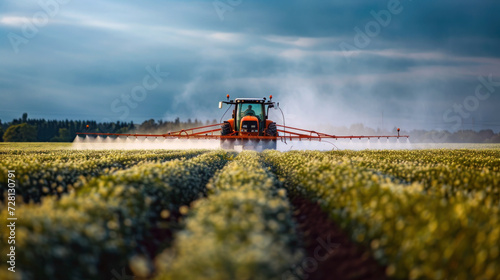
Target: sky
411, 64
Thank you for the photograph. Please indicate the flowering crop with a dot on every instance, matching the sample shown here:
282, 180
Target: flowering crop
91, 232
417, 235
469, 173
43, 173
243, 230
427, 214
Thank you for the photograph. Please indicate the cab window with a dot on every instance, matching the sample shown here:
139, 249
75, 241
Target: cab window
250, 110
243, 109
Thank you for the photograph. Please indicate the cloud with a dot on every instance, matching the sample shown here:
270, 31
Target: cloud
426, 60
13, 21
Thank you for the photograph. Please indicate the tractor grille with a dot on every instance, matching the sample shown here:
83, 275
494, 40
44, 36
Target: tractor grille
249, 126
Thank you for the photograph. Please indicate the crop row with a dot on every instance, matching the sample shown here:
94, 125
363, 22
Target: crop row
452, 173
465, 158
93, 232
41, 156
23, 147
243, 230
38, 177
416, 235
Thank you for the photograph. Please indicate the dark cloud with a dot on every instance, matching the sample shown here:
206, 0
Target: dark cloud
90, 55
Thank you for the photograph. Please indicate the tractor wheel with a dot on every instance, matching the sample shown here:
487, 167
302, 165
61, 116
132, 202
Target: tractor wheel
226, 129
272, 130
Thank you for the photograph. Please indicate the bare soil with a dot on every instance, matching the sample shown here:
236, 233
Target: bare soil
330, 252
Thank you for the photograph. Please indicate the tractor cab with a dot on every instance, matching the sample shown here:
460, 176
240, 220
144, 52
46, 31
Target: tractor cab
250, 118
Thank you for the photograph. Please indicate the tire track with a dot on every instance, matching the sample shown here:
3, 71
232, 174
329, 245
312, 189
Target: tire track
330, 252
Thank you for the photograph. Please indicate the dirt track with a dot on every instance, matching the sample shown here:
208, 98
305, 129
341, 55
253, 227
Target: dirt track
330, 253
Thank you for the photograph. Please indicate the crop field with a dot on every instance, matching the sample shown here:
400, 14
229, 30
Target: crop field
205, 214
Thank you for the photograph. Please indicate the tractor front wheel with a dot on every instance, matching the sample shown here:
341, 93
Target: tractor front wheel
272, 130
226, 128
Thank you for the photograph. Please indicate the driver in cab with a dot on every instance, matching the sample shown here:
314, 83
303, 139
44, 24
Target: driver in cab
249, 111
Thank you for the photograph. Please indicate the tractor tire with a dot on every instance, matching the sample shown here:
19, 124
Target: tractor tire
226, 129
272, 130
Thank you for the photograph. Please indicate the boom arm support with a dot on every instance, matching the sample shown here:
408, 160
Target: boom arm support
291, 133
213, 132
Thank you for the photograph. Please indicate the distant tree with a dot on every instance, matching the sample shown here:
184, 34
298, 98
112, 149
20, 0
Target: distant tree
1, 133
495, 139
466, 136
64, 136
25, 117
20, 133
123, 130
148, 126
435, 136
486, 134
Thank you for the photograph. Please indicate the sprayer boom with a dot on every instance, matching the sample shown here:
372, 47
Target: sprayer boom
212, 132
249, 127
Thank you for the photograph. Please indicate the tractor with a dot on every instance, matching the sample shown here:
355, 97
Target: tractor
249, 125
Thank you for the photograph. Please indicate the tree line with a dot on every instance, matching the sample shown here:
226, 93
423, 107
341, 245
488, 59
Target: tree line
42, 130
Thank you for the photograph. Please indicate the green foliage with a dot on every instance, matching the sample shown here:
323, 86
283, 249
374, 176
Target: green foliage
424, 214
418, 234
1, 133
20, 133
244, 229
64, 136
471, 173
90, 233
44, 172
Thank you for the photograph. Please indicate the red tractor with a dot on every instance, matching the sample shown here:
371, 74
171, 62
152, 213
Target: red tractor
250, 125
